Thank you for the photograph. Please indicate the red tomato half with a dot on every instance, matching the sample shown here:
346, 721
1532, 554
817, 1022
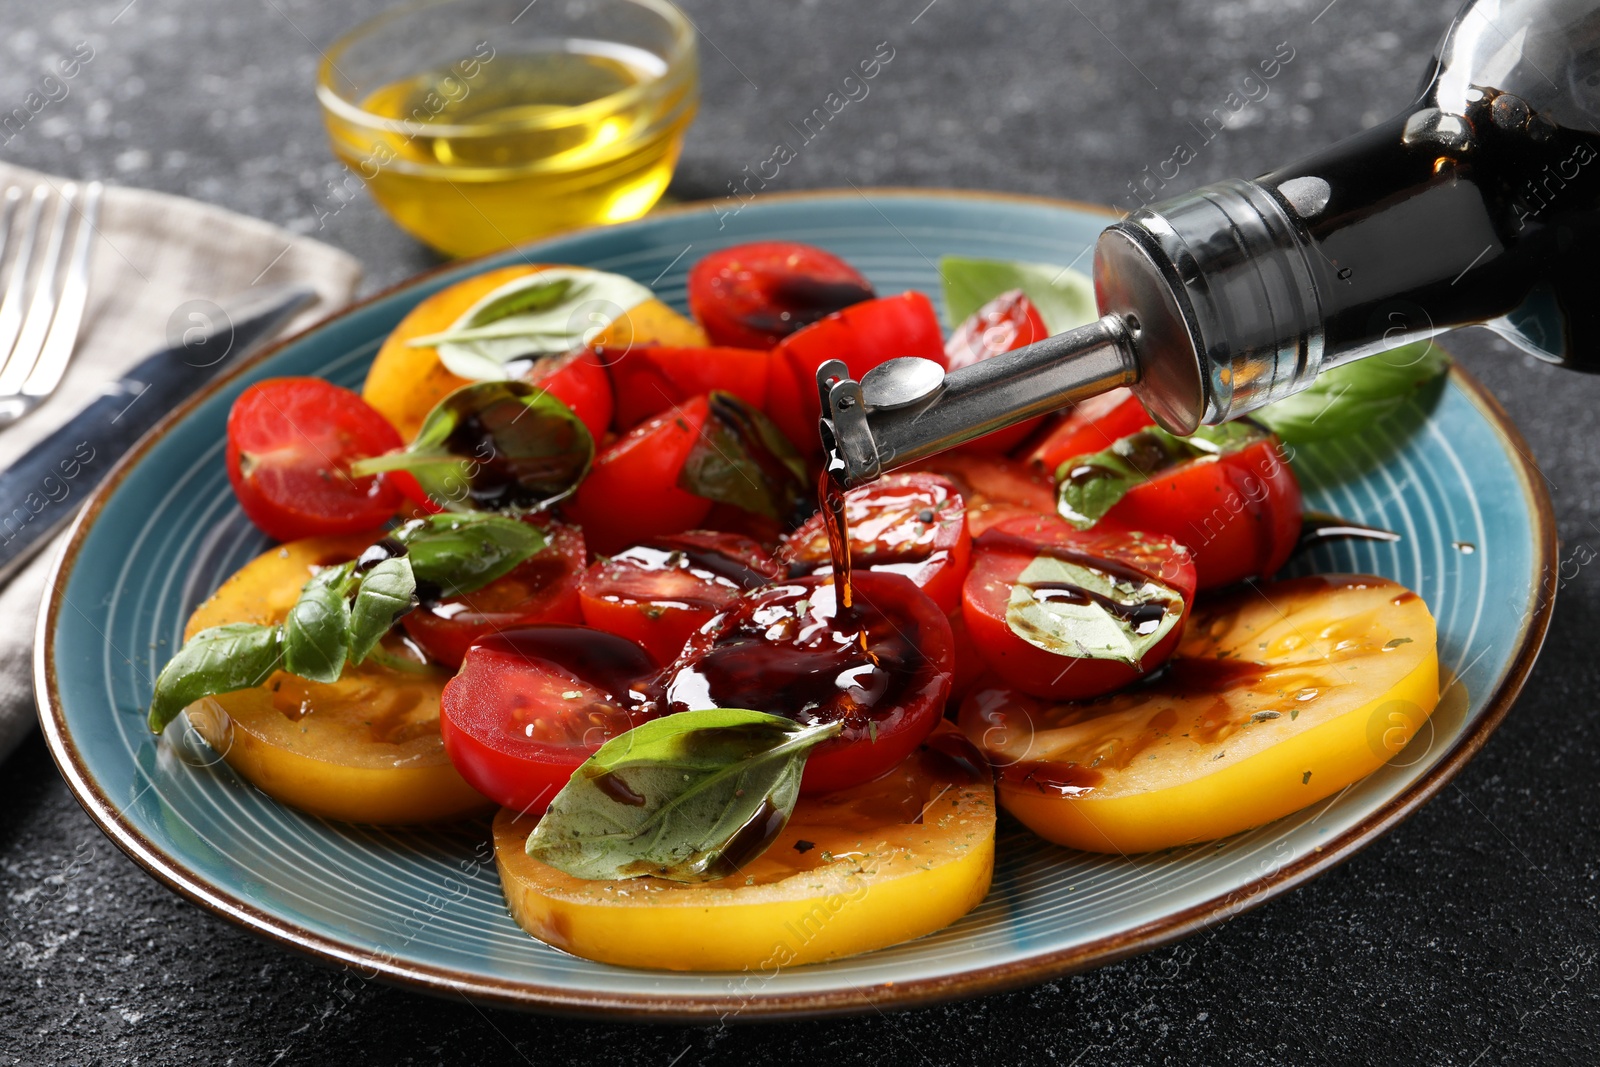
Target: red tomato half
863, 335
290, 445
994, 488
541, 589
530, 705
755, 295
632, 493
1007, 322
882, 668
1092, 426
1154, 586
578, 380
649, 379
660, 592
910, 524
1238, 513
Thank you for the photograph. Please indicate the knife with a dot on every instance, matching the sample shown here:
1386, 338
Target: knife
41, 492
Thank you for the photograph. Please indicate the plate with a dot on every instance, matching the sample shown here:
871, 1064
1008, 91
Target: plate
423, 907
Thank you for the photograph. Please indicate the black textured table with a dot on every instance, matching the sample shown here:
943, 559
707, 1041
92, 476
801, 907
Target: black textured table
1468, 936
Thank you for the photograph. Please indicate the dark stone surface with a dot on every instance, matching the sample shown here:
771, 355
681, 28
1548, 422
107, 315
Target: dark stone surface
1468, 936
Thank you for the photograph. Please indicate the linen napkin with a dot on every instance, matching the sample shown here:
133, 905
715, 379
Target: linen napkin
154, 254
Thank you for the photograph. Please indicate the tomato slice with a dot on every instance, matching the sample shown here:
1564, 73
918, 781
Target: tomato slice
863, 335
631, 493
1092, 426
1007, 322
1068, 614
579, 380
882, 668
649, 379
1278, 697
910, 524
1239, 513
994, 488
541, 589
531, 704
290, 445
660, 592
754, 295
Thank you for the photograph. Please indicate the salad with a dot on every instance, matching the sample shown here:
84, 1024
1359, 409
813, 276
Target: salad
573, 557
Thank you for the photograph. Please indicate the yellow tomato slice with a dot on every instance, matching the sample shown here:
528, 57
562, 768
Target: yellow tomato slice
405, 383
363, 749
1277, 697
853, 871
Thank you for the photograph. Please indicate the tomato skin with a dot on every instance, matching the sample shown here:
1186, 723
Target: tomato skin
649, 379
754, 295
1005, 554
777, 650
1008, 322
579, 380
541, 589
510, 726
994, 488
863, 336
1239, 514
1092, 426
632, 491
887, 534
659, 593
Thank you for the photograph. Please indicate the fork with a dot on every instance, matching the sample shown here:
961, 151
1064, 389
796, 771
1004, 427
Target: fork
36, 344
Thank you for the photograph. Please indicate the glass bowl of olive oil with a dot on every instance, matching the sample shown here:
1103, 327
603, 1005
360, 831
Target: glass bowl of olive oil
481, 124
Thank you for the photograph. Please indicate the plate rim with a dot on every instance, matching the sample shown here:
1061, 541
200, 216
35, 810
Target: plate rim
693, 1008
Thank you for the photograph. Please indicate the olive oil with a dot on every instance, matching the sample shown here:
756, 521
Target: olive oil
504, 148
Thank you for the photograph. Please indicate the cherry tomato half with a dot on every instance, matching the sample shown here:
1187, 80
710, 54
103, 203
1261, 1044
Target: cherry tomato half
578, 380
632, 493
541, 589
1024, 567
910, 524
882, 668
290, 445
994, 488
863, 335
530, 705
754, 295
660, 592
1007, 322
649, 379
1092, 426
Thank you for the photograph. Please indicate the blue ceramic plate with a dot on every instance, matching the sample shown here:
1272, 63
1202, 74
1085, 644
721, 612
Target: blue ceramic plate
424, 907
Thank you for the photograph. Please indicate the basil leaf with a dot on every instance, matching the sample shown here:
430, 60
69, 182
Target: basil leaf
690, 797
1351, 397
1064, 297
494, 446
741, 458
456, 554
1073, 610
1089, 486
556, 309
316, 632
388, 590
240, 655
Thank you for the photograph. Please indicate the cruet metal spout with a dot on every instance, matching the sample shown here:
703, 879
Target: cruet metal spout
1471, 207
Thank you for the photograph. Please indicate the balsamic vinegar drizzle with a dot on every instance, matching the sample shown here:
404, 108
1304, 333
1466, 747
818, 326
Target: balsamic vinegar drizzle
1317, 527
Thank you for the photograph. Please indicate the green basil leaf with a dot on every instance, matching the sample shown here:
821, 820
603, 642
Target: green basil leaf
1351, 397
690, 797
556, 309
316, 632
456, 554
495, 446
388, 590
222, 659
1064, 297
1089, 486
741, 458
1073, 610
